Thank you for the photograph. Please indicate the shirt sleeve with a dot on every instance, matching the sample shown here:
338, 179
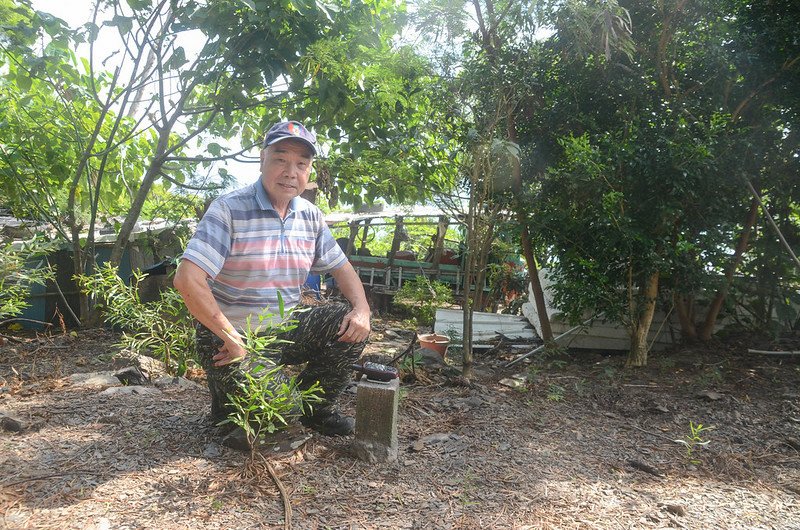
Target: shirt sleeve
211, 243
328, 255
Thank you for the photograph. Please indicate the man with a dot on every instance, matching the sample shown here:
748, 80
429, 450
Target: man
255, 243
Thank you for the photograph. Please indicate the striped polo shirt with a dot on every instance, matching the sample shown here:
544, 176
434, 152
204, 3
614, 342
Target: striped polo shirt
251, 254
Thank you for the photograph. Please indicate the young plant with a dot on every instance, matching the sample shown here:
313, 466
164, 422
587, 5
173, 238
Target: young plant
17, 275
267, 399
411, 361
693, 440
162, 328
555, 392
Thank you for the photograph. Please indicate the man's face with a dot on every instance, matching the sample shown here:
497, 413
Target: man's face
285, 168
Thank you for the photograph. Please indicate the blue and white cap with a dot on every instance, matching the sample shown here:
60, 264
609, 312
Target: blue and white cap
290, 130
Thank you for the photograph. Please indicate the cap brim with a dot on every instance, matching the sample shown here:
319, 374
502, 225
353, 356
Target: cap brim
299, 139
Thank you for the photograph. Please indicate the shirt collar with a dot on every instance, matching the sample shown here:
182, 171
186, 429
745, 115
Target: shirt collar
264, 203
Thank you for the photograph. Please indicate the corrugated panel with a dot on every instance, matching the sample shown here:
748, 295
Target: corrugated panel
485, 326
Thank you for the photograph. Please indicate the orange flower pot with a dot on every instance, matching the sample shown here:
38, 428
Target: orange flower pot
435, 342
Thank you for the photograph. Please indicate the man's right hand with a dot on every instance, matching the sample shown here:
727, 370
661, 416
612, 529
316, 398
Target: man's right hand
230, 352
191, 281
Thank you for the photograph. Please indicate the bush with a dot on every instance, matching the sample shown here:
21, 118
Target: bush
16, 279
163, 328
422, 297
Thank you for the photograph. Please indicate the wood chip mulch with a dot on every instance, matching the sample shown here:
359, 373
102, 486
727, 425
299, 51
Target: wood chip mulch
583, 444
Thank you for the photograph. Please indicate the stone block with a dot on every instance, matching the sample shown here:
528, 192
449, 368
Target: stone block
376, 420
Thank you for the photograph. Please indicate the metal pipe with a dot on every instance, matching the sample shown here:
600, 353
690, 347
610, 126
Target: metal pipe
539, 348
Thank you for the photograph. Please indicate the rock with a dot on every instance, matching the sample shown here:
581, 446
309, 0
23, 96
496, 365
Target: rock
709, 395
237, 440
212, 450
435, 438
179, 383
391, 334
428, 357
153, 367
473, 401
515, 381
282, 441
133, 375
438, 437
94, 379
675, 509
9, 424
129, 390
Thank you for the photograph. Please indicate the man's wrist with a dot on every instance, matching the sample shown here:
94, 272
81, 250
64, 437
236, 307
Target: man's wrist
231, 335
362, 308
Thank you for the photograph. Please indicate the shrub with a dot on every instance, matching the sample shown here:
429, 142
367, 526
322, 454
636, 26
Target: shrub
422, 297
163, 328
16, 278
268, 399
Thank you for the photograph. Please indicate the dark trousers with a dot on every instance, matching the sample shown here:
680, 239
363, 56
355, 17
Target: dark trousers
314, 341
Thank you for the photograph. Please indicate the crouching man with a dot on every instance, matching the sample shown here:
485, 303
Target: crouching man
255, 243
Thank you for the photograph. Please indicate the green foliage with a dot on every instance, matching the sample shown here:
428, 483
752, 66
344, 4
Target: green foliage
392, 139
19, 269
265, 403
262, 337
422, 297
162, 328
508, 284
694, 440
556, 392
268, 399
411, 361
81, 143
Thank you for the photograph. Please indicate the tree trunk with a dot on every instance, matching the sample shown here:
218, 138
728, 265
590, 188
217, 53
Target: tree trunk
470, 258
716, 305
481, 260
141, 195
438, 244
527, 249
685, 309
78, 260
641, 321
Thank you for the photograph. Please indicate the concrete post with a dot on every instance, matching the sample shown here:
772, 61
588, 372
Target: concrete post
376, 420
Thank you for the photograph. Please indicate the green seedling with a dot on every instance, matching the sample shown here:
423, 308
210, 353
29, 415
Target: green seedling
693, 440
266, 399
411, 361
555, 392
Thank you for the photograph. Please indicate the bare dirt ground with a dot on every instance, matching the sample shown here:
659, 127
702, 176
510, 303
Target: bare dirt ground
584, 444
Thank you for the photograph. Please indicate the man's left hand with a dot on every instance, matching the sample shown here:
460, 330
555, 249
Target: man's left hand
355, 326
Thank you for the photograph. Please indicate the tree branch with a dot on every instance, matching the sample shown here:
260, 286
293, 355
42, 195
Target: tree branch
188, 186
